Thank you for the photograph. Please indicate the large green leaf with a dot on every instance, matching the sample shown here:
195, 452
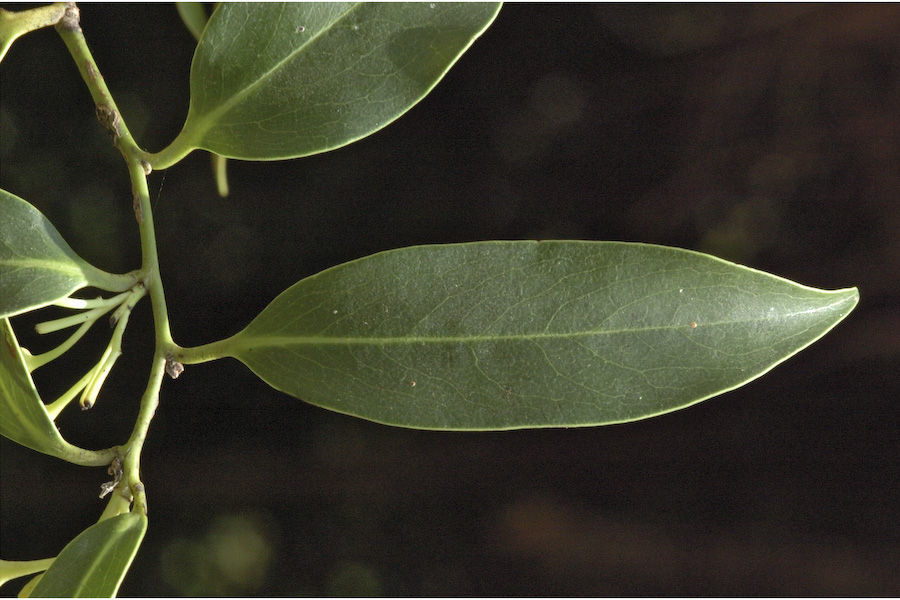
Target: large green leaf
501, 335
282, 80
23, 418
94, 564
37, 266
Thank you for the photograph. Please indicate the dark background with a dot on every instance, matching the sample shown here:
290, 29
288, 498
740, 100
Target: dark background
763, 134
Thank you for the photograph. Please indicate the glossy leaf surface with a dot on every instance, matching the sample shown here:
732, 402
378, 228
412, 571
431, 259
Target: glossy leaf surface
37, 266
501, 335
283, 80
23, 418
96, 561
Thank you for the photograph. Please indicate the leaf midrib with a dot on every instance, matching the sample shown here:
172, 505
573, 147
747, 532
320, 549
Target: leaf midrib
243, 339
87, 585
45, 264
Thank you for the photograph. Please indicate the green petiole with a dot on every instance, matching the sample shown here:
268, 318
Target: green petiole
98, 308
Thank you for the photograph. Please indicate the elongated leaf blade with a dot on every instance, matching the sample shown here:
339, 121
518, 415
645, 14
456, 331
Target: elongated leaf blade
37, 266
23, 418
94, 564
502, 335
283, 80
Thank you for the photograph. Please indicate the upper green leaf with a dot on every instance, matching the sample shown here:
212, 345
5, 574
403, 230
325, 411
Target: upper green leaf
37, 266
501, 335
23, 418
283, 80
94, 564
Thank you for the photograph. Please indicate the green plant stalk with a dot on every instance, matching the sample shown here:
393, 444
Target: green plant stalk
135, 443
57, 406
16, 24
91, 315
204, 353
171, 154
36, 361
88, 316
118, 504
89, 458
87, 303
12, 569
87, 320
113, 350
220, 171
108, 113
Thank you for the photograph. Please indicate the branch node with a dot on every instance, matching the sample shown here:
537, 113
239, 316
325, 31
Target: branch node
71, 20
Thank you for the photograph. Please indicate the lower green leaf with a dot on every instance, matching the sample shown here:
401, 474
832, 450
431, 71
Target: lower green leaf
502, 335
23, 417
96, 561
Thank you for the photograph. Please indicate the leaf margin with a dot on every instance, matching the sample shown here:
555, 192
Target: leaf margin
844, 301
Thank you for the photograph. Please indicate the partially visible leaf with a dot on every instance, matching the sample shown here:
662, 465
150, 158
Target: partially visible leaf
503, 335
94, 564
13, 569
282, 80
23, 417
193, 15
28, 588
37, 266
